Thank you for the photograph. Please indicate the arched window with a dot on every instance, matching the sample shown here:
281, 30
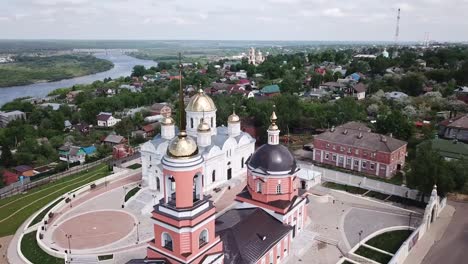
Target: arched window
242, 163
158, 184
203, 238
213, 176
212, 122
191, 122
166, 241
173, 183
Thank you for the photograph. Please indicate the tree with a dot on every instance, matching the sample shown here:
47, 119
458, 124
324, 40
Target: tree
412, 84
395, 123
6, 158
373, 110
138, 71
124, 127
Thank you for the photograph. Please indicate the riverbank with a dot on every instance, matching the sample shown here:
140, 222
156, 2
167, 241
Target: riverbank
123, 66
31, 70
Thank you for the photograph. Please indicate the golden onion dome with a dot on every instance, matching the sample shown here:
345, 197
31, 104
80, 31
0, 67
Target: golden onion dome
167, 121
203, 126
233, 118
182, 146
201, 102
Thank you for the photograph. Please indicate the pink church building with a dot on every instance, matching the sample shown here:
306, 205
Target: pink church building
268, 214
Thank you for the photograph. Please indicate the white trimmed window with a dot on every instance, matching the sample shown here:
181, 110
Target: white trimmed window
278, 189
327, 156
166, 241
372, 166
259, 186
203, 238
364, 164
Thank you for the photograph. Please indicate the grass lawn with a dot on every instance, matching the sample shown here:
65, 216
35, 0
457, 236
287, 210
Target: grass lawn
372, 254
41, 215
390, 241
131, 193
20, 207
34, 253
350, 189
134, 166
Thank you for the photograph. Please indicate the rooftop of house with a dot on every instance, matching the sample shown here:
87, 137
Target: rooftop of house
103, 116
361, 137
23, 168
450, 148
360, 88
462, 89
274, 88
459, 122
114, 139
244, 239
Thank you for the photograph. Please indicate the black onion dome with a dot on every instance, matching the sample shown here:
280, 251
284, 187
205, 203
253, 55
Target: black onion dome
273, 158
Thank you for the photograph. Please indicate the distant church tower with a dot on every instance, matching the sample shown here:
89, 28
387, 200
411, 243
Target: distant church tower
252, 57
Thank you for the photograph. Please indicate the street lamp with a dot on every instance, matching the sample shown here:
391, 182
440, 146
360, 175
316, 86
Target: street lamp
360, 234
154, 198
138, 233
68, 236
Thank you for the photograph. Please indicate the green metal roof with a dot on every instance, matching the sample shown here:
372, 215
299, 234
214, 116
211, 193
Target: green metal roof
274, 88
450, 149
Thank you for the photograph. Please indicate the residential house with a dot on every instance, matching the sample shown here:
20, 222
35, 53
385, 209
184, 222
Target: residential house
106, 120
71, 96
358, 91
161, 109
353, 146
396, 95
7, 117
322, 71
271, 90
151, 129
82, 127
332, 86
67, 124
72, 154
113, 140
455, 128
9, 177
462, 93
121, 151
105, 92
242, 74
449, 149
24, 171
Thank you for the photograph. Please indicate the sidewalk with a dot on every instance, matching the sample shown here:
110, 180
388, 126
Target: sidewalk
434, 234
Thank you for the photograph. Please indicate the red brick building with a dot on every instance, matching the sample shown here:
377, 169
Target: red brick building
354, 147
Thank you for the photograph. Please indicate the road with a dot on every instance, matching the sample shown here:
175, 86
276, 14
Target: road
451, 249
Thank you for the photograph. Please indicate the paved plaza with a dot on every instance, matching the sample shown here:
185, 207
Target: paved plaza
335, 225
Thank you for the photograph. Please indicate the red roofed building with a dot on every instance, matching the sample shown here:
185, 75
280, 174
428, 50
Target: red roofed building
122, 151
9, 177
353, 146
321, 71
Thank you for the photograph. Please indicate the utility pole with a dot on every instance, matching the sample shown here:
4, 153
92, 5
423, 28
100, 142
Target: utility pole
397, 31
68, 236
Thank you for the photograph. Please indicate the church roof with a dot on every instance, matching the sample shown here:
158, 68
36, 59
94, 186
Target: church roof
273, 158
244, 240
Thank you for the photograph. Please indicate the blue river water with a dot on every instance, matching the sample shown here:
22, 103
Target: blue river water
123, 66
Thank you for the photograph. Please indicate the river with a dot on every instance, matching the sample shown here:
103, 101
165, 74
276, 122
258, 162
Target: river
123, 66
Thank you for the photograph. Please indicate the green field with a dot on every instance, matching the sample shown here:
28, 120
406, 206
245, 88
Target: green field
16, 209
390, 241
34, 253
27, 70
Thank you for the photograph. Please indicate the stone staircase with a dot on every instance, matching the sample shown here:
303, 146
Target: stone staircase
143, 202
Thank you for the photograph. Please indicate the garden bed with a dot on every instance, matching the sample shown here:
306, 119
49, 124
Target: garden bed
390, 241
134, 166
373, 254
131, 193
34, 253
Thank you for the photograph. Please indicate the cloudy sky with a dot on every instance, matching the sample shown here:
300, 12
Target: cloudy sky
365, 20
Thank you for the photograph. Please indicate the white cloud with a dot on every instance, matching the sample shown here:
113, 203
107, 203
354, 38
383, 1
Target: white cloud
4, 19
333, 12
